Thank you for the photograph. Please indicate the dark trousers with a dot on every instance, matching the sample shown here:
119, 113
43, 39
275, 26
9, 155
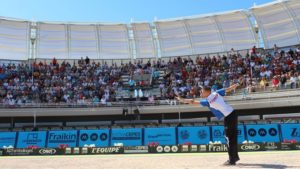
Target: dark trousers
231, 132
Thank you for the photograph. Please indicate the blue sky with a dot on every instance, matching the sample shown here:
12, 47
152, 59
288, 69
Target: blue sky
116, 10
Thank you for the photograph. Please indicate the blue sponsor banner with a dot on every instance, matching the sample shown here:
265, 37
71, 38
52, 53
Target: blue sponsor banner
194, 135
98, 137
7, 139
290, 131
218, 134
34, 138
263, 133
164, 136
129, 137
55, 138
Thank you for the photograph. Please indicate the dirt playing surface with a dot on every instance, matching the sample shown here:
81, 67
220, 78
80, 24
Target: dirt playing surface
275, 159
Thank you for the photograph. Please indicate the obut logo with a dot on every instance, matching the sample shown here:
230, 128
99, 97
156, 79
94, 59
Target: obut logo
50, 151
250, 147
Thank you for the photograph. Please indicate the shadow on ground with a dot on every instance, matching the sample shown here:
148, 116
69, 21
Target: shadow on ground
273, 166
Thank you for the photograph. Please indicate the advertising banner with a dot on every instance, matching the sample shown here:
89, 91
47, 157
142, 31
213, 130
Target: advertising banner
34, 138
163, 136
290, 132
263, 133
218, 134
129, 137
7, 139
56, 138
100, 138
193, 135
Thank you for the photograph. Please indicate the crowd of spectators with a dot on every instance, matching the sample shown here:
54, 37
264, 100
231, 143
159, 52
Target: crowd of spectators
87, 81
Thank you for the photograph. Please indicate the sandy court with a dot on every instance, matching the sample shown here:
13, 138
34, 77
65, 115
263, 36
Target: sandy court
278, 159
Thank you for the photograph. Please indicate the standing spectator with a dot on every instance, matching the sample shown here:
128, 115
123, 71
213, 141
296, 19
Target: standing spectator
283, 80
87, 60
293, 80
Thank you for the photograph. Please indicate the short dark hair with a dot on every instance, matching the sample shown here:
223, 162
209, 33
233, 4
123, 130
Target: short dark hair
206, 88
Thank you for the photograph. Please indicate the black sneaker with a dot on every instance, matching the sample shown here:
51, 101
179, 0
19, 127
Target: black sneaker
229, 163
236, 159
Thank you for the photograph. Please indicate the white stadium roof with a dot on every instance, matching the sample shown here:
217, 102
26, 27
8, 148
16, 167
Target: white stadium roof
278, 22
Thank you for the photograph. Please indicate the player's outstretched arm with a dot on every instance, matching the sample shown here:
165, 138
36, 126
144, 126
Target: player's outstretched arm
188, 101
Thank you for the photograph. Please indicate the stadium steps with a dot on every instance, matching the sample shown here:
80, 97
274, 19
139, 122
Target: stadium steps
43, 128
68, 128
55, 128
125, 79
92, 127
88, 123
17, 129
4, 129
80, 128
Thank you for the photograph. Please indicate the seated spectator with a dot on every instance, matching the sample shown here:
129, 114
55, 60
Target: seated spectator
275, 82
263, 83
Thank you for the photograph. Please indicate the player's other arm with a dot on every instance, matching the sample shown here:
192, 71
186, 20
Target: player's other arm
231, 88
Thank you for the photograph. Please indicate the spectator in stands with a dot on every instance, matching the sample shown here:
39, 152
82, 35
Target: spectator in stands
275, 82
87, 60
293, 80
54, 82
263, 83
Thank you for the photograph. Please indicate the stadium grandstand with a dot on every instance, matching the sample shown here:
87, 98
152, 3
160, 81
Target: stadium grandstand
75, 76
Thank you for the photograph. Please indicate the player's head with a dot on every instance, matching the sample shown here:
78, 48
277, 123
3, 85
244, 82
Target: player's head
205, 91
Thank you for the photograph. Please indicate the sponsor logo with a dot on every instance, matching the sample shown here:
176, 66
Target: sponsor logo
127, 136
94, 137
159, 149
217, 148
262, 132
271, 146
252, 147
194, 148
297, 146
76, 150
84, 150
103, 136
136, 149
47, 151
7, 139
202, 134
84, 137
295, 132
202, 148
286, 146
19, 151
218, 133
272, 132
167, 149
62, 138
239, 132
174, 149
106, 150
184, 134
252, 132
159, 135
185, 148
32, 139
68, 151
